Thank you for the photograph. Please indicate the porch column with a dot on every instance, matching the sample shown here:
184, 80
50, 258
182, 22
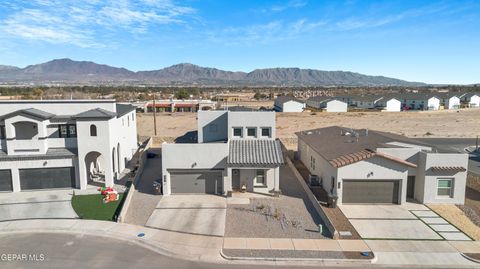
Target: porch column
82, 173
15, 180
277, 178
227, 181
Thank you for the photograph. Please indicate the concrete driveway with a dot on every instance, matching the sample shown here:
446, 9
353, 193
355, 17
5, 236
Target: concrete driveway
408, 221
195, 214
36, 205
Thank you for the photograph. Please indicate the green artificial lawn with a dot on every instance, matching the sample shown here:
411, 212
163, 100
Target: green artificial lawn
92, 207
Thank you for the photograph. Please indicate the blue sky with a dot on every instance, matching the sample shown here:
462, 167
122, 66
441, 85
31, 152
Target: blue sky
417, 40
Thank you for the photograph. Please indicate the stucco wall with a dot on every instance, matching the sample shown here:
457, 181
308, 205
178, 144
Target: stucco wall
428, 179
14, 166
323, 169
336, 106
256, 119
192, 156
212, 126
371, 169
393, 105
293, 106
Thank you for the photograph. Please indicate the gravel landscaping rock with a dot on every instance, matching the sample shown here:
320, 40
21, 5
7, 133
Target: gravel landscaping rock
471, 214
289, 216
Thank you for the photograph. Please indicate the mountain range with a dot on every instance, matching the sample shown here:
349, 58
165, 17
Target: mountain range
67, 71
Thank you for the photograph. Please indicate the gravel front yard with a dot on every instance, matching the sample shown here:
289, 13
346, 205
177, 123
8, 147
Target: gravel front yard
289, 216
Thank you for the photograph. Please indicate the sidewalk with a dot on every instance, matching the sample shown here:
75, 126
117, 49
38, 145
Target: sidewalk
445, 254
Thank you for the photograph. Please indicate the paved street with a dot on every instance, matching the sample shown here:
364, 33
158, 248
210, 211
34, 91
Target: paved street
82, 251
456, 145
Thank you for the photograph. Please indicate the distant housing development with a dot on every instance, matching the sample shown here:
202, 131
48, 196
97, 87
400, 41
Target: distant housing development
329, 104
236, 150
288, 104
365, 166
47, 144
173, 105
396, 102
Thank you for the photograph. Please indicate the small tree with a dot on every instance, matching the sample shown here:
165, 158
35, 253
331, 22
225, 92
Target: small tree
182, 94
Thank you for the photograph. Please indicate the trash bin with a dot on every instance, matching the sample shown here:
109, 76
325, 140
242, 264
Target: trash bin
158, 187
332, 200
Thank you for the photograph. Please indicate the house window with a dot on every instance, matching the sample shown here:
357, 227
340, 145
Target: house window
93, 130
128, 121
72, 131
445, 187
133, 117
67, 130
266, 132
251, 132
2, 132
237, 132
312, 162
260, 177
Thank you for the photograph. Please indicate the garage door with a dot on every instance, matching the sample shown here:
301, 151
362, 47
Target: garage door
196, 182
47, 178
6, 180
370, 191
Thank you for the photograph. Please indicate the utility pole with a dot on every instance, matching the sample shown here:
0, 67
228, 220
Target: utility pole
154, 116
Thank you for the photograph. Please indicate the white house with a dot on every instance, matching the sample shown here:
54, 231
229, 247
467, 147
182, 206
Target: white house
236, 150
393, 105
329, 104
370, 167
288, 104
366, 101
470, 99
449, 100
47, 144
474, 100
419, 101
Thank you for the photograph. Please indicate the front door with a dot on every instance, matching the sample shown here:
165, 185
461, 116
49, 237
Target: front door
236, 179
411, 187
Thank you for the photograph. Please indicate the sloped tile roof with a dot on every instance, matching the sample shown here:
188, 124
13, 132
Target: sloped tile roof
33, 112
96, 113
254, 152
449, 168
365, 154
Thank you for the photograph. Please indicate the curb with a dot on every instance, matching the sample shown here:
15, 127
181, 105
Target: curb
276, 259
469, 258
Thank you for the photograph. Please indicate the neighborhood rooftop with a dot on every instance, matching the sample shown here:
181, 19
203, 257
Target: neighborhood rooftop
345, 141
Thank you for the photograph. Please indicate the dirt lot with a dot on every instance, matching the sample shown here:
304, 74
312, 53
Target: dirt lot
455, 123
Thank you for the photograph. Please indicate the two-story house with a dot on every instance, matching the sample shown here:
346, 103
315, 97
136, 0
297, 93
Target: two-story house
48, 144
236, 151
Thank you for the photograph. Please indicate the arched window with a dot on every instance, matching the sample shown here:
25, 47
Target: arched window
93, 130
